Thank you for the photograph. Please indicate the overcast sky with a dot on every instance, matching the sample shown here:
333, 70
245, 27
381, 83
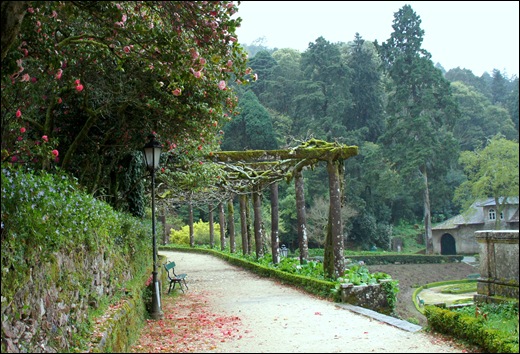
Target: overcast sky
475, 35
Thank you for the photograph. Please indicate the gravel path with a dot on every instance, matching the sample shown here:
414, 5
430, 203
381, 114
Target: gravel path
276, 318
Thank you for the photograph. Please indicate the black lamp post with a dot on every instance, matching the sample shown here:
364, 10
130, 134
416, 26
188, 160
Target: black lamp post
152, 155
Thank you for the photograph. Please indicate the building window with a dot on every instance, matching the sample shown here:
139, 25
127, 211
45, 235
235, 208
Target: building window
502, 215
492, 214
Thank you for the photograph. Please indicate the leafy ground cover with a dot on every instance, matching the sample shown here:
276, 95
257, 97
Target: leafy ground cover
501, 317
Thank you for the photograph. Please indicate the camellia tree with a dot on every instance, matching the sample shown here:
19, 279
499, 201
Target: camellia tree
85, 83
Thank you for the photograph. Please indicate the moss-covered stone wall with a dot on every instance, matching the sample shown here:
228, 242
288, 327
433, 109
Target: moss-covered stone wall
498, 265
52, 307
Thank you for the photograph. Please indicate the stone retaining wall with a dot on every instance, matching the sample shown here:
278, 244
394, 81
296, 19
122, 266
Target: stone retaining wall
372, 297
498, 265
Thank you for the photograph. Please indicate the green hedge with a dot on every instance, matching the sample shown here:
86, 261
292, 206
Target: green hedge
405, 259
471, 329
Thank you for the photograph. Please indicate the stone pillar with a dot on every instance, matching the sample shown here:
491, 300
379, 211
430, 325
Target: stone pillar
498, 265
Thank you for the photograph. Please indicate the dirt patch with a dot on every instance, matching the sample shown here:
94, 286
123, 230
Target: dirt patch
411, 276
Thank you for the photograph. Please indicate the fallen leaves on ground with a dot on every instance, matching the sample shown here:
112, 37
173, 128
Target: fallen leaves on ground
187, 326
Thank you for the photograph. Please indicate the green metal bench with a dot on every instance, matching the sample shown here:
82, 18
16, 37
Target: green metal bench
175, 278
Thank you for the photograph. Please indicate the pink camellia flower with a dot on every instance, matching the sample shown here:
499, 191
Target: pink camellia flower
59, 100
30, 10
14, 158
19, 63
126, 49
229, 63
79, 88
22, 130
45, 138
202, 61
194, 53
19, 138
222, 85
18, 114
55, 153
197, 74
58, 74
177, 92
77, 82
33, 80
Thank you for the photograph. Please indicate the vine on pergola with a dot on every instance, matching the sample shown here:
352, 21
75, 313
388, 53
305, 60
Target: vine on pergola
254, 170
251, 171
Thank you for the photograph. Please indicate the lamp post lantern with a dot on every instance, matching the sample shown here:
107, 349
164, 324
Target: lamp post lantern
152, 155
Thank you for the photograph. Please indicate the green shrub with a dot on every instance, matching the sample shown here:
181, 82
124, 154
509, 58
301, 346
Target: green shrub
200, 234
490, 326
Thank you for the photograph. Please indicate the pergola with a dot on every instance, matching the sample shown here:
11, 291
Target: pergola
251, 171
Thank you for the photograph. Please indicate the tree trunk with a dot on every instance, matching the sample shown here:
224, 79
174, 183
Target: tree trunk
211, 227
192, 236
248, 225
300, 212
166, 229
427, 214
336, 227
13, 13
257, 209
222, 220
231, 226
274, 224
243, 223
328, 254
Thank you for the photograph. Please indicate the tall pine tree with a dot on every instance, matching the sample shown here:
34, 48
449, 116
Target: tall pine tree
421, 111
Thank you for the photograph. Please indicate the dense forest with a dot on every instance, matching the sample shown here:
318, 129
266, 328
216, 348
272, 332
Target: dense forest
410, 118
84, 84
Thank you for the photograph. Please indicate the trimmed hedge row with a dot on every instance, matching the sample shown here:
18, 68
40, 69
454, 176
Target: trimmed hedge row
469, 328
406, 259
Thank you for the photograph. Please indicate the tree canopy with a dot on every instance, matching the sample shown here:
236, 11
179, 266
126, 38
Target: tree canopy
491, 172
85, 83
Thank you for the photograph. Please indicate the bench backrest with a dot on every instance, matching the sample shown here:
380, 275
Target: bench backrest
169, 266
